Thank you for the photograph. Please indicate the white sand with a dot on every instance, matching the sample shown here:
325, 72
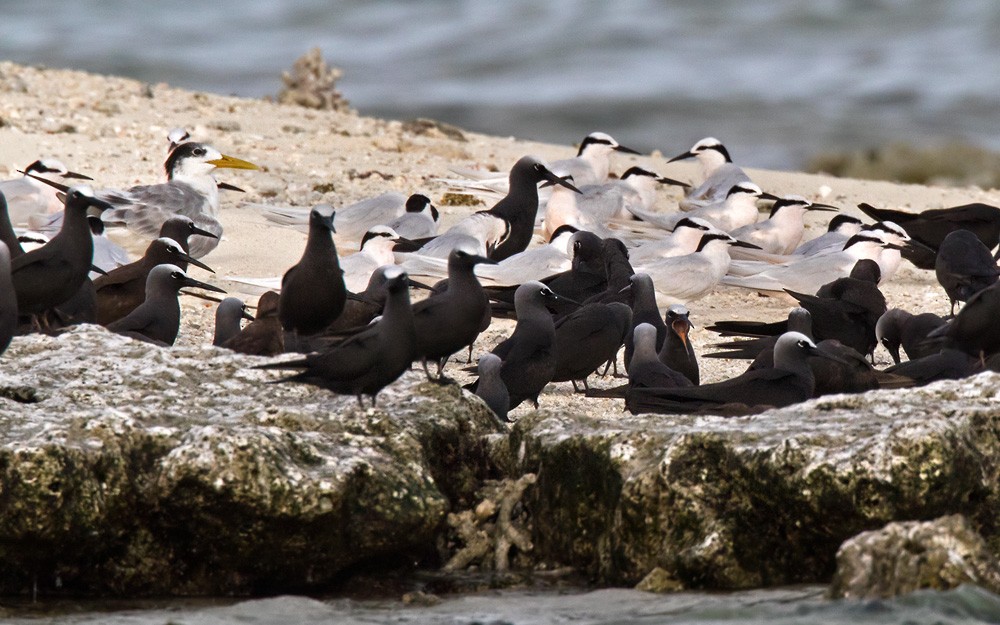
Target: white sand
111, 129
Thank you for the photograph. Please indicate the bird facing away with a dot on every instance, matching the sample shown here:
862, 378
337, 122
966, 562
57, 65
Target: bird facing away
587, 338
263, 336
190, 191
228, 315
366, 362
48, 276
158, 318
491, 388
451, 320
313, 291
529, 359
964, 266
123, 289
647, 370
8, 300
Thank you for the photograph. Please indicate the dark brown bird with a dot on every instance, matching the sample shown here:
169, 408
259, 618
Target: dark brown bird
313, 291
123, 289
264, 335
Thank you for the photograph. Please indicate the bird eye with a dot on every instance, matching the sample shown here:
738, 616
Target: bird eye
176, 275
803, 344
199, 152
538, 167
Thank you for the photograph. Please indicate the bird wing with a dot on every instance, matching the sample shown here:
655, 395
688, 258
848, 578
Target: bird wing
143, 209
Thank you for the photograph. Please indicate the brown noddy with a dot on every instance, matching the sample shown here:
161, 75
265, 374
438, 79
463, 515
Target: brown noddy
228, 315
312, 290
263, 336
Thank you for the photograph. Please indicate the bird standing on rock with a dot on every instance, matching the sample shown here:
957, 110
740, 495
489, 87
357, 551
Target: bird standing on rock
312, 290
366, 362
48, 276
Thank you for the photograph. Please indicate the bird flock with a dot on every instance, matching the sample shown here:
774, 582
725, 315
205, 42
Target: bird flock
617, 271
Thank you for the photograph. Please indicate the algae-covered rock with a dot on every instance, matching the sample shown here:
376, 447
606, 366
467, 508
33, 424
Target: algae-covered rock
754, 501
903, 557
146, 470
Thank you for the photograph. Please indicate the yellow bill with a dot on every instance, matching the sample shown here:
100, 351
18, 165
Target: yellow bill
231, 162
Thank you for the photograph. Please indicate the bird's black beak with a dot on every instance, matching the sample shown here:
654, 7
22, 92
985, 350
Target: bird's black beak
99, 204
483, 260
229, 187
97, 269
625, 150
917, 244
768, 196
673, 183
750, 246
194, 261
51, 183
204, 233
892, 246
819, 353
681, 157
561, 181
419, 285
73, 174
822, 207
246, 314
189, 281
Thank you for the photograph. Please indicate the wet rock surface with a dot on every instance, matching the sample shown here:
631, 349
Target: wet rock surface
903, 557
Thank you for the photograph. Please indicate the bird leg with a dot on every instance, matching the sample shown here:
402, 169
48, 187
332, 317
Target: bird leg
423, 362
575, 389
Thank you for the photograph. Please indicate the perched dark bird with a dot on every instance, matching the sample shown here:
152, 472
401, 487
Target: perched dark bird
8, 300
587, 338
964, 266
972, 330
759, 347
930, 227
619, 274
677, 351
313, 291
228, 315
7, 235
490, 387
48, 276
841, 370
181, 229
644, 310
528, 355
647, 369
947, 364
450, 321
263, 336
790, 381
899, 328
123, 289
507, 228
366, 362
158, 318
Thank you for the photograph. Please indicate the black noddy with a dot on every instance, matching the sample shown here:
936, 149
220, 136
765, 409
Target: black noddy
529, 359
312, 290
790, 381
644, 310
947, 364
181, 228
263, 336
158, 318
366, 362
519, 207
899, 328
647, 370
964, 266
8, 300
451, 320
123, 289
587, 338
759, 347
7, 235
973, 329
930, 227
677, 352
228, 315
491, 388
48, 276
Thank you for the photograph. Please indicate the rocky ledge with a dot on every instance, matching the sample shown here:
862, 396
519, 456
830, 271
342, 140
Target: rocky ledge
130, 469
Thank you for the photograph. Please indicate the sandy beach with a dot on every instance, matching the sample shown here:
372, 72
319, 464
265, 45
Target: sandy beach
115, 129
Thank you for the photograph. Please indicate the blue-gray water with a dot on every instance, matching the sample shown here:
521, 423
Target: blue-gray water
776, 80
966, 605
